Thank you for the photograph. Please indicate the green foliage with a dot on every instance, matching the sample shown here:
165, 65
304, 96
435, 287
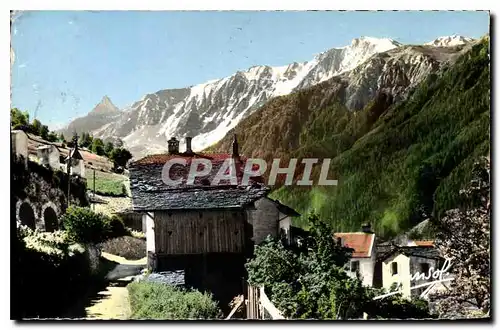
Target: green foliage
116, 227
85, 226
35, 127
120, 157
398, 164
158, 301
44, 132
108, 149
397, 307
309, 281
52, 137
107, 184
19, 119
98, 147
86, 140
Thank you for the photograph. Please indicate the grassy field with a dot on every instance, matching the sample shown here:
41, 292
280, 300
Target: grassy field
108, 184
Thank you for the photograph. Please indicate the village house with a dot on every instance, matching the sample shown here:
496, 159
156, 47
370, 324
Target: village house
409, 267
42, 201
364, 253
49, 155
206, 230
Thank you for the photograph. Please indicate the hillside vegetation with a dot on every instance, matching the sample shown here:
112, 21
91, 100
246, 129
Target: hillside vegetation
397, 164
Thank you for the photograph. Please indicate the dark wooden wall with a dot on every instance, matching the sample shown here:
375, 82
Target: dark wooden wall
194, 232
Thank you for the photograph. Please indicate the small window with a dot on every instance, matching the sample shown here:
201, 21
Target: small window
424, 268
394, 267
354, 266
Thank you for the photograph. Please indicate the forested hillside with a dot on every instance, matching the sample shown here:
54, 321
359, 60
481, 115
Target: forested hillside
397, 163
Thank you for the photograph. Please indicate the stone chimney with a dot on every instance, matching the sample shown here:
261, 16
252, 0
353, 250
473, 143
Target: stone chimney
366, 228
173, 146
235, 147
189, 150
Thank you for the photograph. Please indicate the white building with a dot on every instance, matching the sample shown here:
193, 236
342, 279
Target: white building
20, 144
410, 268
49, 155
364, 255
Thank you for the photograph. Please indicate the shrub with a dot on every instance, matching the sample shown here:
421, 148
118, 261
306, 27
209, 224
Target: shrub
157, 301
116, 227
85, 226
128, 247
309, 281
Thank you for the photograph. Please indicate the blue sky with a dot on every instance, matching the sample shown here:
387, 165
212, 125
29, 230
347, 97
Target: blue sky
66, 61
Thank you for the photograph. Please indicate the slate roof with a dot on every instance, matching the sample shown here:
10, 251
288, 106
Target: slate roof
361, 243
150, 193
413, 251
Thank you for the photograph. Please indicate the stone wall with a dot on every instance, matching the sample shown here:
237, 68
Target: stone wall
264, 219
40, 194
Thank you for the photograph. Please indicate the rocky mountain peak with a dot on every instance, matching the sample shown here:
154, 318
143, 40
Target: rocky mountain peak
104, 107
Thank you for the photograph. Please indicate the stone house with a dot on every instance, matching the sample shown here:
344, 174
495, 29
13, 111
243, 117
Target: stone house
364, 253
206, 230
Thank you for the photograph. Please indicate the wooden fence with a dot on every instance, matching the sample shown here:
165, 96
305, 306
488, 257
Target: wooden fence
259, 306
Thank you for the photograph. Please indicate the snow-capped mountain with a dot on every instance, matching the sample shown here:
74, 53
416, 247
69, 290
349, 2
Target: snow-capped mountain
449, 41
208, 111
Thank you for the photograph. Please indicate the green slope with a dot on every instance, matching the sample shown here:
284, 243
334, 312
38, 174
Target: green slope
397, 165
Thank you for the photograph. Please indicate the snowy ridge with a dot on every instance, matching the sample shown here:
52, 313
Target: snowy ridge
209, 110
449, 41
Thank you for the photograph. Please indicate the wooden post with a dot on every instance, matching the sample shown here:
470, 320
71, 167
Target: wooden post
68, 168
94, 191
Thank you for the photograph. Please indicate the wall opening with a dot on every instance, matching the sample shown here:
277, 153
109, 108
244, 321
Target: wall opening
27, 215
50, 218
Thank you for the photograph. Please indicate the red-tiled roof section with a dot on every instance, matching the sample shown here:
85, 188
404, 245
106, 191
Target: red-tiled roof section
361, 243
424, 243
163, 158
178, 171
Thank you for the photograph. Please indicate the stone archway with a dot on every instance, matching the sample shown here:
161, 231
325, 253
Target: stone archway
27, 215
50, 219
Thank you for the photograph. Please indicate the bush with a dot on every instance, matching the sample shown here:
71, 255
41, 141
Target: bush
116, 227
128, 247
156, 301
309, 281
85, 226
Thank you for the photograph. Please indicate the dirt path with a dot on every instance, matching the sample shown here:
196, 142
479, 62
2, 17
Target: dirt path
112, 303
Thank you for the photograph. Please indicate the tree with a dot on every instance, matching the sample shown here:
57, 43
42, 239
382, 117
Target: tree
120, 157
61, 137
19, 119
52, 137
44, 132
36, 127
108, 149
465, 237
309, 281
98, 147
85, 140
